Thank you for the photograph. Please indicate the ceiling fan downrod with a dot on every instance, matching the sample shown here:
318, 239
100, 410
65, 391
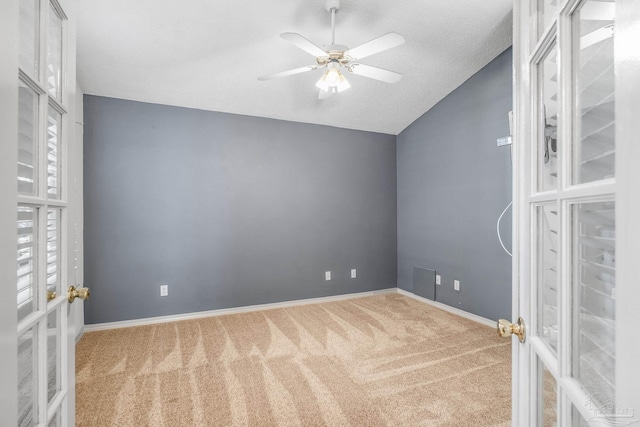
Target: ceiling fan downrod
333, 6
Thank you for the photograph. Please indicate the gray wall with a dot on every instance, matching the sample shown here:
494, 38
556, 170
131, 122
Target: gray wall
229, 210
453, 183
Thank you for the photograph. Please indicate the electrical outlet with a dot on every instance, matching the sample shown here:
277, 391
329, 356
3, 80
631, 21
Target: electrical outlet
438, 279
456, 285
353, 273
327, 275
164, 290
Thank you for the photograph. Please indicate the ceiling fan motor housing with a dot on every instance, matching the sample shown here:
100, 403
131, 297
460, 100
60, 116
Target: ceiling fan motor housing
335, 53
336, 48
332, 4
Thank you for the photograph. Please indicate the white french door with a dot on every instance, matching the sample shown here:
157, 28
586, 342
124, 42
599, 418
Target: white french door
576, 187
38, 83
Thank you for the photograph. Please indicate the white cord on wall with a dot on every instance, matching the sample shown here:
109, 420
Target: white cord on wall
498, 228
502, 142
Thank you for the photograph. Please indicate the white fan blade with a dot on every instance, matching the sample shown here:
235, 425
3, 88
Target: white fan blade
288, 72
374, 46
324, 94
375, 73
303, 44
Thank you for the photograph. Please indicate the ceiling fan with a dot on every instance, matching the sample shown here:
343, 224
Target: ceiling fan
336, 58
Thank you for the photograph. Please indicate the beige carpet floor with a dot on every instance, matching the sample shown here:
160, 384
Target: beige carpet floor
385, 360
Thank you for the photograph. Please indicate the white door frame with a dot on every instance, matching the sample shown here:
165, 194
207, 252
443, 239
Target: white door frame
73, 175
519, 357
8, 202
628, 201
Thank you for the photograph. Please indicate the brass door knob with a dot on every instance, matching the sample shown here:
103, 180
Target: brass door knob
506, 328
82, 293
51, 296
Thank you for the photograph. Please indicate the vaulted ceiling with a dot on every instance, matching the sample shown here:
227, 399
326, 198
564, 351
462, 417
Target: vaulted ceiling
208, 54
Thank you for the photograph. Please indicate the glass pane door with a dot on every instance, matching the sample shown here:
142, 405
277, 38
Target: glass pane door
547, 275
594, 91
569, 158
30, 36
593, 287
547, 397
41, 210
547, 126
28, 100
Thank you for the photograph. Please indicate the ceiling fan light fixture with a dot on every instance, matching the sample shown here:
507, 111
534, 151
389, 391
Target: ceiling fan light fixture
332, 77
343, 85
322, 83
333, 80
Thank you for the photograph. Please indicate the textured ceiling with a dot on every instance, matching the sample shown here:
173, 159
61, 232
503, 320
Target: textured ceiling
207, 54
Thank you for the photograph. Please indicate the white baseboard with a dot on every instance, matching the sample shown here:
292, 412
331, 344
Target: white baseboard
450, 309
258, 307
80, 334
223, 311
